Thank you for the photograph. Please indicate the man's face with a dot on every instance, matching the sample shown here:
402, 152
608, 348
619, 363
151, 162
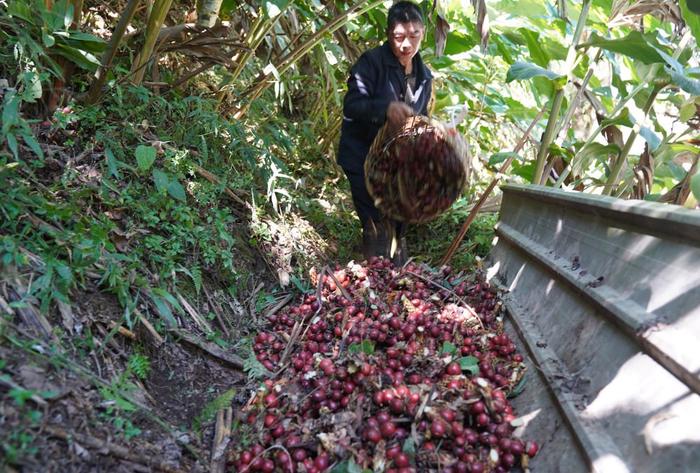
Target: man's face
405, 39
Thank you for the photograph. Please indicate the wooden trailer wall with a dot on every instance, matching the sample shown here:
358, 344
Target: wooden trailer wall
605, 296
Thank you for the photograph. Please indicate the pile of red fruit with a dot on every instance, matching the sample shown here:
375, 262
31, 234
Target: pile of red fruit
385, 369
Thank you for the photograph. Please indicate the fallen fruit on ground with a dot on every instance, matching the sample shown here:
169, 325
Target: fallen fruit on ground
386, 369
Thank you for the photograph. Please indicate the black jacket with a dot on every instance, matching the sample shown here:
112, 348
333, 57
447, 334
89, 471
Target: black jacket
376, 80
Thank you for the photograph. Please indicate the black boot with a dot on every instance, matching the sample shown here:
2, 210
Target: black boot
376, 238
399, 255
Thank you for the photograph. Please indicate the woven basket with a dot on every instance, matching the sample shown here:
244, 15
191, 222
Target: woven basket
416, 173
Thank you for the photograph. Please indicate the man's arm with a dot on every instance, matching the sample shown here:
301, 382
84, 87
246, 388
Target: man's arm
361, 102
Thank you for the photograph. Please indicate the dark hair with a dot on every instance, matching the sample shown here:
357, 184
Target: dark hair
403, 12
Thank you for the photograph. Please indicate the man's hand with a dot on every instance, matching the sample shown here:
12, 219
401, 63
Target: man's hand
397, 113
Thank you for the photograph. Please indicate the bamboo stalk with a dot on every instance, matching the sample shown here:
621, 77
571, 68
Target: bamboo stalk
263, 82
611, 183
543, 150
577, 99
101, 76
552, 129
484, 196
209, 13
155, 22
256, 35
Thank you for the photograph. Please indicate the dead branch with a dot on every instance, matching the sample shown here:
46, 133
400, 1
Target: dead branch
211, 349
221, 439
217, 310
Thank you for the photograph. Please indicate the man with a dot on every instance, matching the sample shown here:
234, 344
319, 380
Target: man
387, 84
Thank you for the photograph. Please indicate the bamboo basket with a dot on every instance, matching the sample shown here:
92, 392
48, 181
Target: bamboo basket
416, 173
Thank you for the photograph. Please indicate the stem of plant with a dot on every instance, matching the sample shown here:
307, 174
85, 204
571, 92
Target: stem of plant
548, 135
552, 129
650, 75
155, 22
101, 76
614, 176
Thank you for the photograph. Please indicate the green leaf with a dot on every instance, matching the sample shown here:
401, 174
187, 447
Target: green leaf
64, 272
168, 297
10, 111
623, 118
634, 45
83, 59
448, 348
525, 70
33, 88
161, 180
690, 11
498, 158
33, 144
687, 111
692, 86
47, 39
112, 163
85, 42
458, 43
534, 45
695, 186
519, 388
164, 310
176, 191
469, 363
592, 151
409, 446
21, 10
145, 156
366, 347
348, 466
12, 144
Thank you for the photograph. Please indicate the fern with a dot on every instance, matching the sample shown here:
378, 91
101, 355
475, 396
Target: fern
251, 365
196, 275
220, 402
139, 365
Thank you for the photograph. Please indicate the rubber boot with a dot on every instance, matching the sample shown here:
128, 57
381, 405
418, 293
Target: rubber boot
399, 255
375, 239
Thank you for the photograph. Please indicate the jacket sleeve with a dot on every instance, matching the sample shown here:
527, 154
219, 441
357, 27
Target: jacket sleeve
427, 108
361, 101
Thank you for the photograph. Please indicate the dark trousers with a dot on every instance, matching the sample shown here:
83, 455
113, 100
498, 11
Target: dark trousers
364, 204
369, 215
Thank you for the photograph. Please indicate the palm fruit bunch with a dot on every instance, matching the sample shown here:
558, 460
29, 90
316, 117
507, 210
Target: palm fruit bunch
415, 173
